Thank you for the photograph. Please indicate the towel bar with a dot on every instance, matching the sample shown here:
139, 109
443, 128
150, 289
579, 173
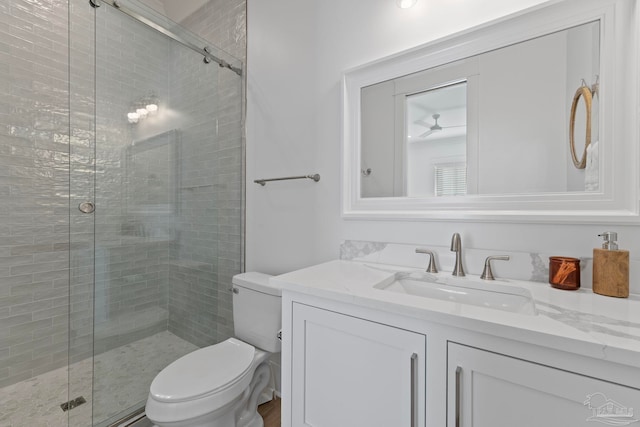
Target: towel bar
263, 182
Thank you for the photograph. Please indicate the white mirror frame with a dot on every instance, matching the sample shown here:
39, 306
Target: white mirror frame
617, 200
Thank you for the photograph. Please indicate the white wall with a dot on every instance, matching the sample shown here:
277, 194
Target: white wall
536, 161
281, 136
297, 52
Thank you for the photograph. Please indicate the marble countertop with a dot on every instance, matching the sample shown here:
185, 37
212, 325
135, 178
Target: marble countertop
575, 321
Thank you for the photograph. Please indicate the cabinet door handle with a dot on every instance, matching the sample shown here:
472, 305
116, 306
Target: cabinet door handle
414, 390
458, 380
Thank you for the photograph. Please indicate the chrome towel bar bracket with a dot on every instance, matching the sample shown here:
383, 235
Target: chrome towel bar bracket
263, 182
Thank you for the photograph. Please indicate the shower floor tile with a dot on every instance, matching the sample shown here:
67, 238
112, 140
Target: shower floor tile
122, 381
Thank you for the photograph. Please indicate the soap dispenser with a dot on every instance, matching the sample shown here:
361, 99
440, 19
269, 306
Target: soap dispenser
611, 268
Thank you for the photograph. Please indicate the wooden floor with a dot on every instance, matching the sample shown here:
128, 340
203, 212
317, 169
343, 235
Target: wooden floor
270, 412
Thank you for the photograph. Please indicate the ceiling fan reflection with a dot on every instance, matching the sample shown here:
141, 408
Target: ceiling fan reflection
435, 127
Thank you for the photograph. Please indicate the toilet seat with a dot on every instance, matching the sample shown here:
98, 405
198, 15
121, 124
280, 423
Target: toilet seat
186, 380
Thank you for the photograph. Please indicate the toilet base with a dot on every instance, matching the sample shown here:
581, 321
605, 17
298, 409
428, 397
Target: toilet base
241, 412
249, 416
225, 416
256, 421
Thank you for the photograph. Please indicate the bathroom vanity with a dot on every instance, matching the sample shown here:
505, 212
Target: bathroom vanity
369, 344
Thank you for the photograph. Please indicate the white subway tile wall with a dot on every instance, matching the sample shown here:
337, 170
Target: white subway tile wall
34, 188
222, 22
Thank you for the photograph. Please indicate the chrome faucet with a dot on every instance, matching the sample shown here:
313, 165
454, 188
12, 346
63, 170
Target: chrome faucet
456, 246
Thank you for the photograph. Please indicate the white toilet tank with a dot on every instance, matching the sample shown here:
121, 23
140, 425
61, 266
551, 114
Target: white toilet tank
257, 311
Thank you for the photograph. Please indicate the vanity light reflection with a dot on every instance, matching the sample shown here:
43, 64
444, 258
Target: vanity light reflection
144, 107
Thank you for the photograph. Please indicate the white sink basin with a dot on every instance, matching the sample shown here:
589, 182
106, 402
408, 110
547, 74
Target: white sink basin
465, 291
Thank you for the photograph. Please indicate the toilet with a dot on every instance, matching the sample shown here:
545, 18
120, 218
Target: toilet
219, 385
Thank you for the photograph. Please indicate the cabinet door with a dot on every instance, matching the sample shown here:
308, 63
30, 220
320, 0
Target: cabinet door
349, 372
492, 390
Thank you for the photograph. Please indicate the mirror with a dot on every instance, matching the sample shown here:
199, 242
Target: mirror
522, 94
522, 117
152, 178
424, 152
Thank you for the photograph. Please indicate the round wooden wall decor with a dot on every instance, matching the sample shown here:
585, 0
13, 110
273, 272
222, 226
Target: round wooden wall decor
585, 93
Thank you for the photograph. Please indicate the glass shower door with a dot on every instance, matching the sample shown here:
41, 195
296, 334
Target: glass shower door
167, 192
118, 234
34, 232
81, 227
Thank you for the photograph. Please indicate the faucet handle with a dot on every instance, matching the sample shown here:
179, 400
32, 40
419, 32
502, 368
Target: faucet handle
431, 268
487, 274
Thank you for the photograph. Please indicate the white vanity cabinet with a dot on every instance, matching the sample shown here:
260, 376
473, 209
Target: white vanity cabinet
487, 389
356, 355
349, 372
346, 365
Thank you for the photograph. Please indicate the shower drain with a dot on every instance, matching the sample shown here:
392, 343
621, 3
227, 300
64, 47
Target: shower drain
67, 406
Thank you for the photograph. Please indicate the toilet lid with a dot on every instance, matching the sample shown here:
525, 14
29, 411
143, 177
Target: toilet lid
203, 371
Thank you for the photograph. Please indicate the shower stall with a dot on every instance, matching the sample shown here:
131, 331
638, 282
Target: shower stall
121, 213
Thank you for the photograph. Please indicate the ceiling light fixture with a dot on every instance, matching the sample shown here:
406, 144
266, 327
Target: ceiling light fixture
406, 4
142, 112
151, 103
152, 108
133, 117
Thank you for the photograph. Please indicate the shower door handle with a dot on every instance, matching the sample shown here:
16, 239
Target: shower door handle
87, 207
